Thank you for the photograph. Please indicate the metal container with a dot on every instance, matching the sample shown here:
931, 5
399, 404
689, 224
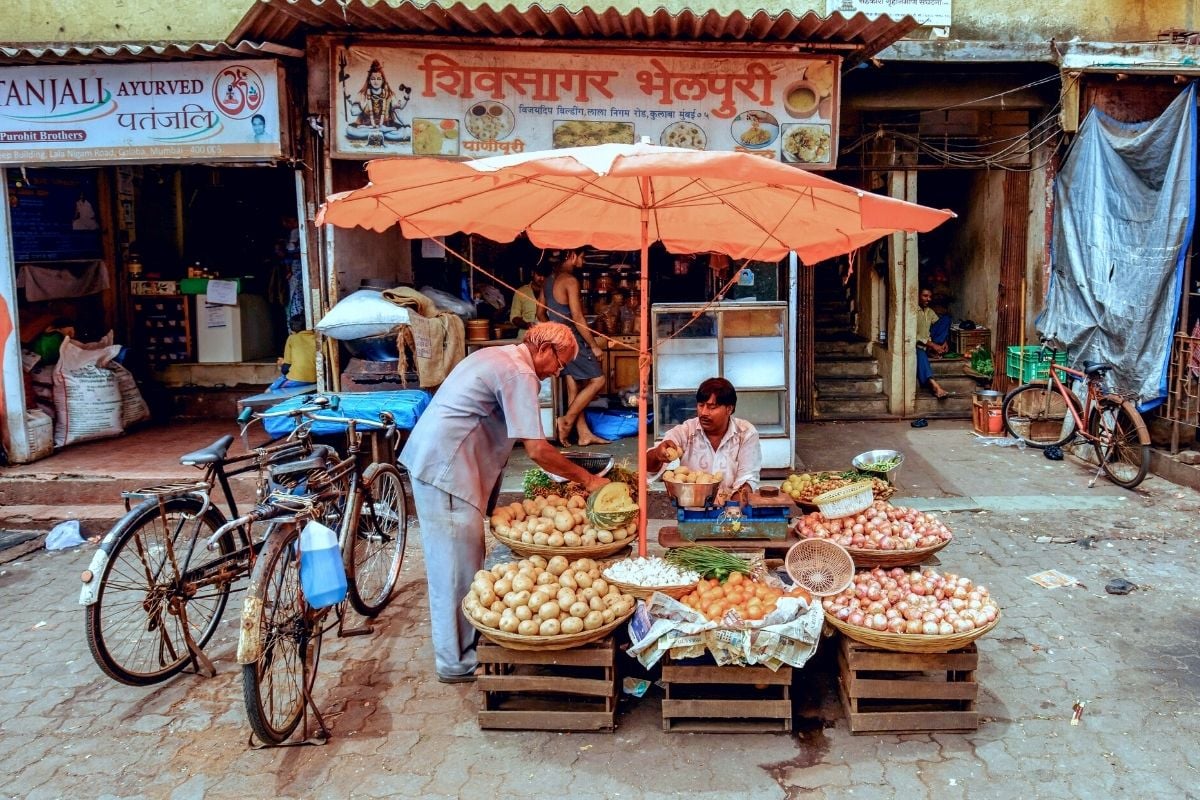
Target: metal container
691, 495
863, 462
478, 330
987, 412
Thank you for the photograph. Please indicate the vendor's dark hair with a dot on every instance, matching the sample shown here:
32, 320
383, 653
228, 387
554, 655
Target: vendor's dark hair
718, 388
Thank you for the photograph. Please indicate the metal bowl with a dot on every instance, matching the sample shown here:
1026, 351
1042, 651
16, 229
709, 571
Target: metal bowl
863, 462
691, 495
595, 463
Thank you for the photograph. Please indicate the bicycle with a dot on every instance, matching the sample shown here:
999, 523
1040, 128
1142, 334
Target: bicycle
280, 642
1048, 414
152, 599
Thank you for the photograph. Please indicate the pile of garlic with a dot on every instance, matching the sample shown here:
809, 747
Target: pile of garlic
651, 571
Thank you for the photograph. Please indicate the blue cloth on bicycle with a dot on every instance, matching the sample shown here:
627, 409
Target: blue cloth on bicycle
939, 332
406, 405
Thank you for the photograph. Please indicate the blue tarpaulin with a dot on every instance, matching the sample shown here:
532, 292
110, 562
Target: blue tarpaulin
1124, 204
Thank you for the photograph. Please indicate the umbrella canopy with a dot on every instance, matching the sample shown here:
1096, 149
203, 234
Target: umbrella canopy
739, 204
623, 197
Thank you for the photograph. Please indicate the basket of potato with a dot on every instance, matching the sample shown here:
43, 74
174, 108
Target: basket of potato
553, 525
692, 488
545, 604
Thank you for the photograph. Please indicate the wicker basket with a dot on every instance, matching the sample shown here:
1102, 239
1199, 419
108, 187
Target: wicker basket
565, 641
893, 558
909, 642
819, 566
570, 553
644, 592
848, 500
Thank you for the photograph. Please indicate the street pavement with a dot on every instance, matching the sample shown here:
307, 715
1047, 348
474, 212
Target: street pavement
1133, 661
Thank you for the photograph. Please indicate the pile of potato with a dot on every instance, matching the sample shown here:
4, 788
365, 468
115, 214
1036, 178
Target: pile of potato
539, 597
554, 521
686, 475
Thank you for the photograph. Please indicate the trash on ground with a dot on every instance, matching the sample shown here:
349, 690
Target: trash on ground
1119, 586
1000, 441
1078, 712
64, 535
1052, 579
1053, 453
635, 686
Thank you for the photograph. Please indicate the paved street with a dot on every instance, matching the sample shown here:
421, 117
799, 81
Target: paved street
1133, 660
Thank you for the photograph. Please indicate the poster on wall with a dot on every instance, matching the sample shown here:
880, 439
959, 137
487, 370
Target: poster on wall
53, 213
926, 12
470, 103
161, 111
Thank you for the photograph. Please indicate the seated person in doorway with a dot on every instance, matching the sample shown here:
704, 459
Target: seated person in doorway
933, 331
299, 361
714, 441
524, 309
561, 303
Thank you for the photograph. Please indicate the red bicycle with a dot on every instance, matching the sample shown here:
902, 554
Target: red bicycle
1049, 414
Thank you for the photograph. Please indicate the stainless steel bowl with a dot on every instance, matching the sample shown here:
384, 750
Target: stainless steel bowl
691, 495
863, 462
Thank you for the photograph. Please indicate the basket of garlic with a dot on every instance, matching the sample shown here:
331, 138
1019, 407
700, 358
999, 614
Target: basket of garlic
917, 611
553, 525
545, 604
642, 577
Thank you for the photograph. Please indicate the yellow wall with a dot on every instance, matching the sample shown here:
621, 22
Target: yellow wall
84, 21
78, 21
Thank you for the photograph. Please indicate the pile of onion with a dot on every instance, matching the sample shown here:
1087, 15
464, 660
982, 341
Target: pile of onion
918, 602
880, 527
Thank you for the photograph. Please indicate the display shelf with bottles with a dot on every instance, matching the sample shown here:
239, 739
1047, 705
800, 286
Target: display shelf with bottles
162, 328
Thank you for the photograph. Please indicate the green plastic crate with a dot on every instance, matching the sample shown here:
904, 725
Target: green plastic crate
1031, 363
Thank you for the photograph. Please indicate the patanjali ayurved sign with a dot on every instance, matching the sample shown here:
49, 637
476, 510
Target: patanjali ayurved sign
210, 110
463, 102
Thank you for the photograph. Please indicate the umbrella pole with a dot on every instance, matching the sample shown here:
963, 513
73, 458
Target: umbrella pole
643, 368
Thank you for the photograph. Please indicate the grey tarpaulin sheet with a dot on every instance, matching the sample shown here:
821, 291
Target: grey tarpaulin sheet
1124, 204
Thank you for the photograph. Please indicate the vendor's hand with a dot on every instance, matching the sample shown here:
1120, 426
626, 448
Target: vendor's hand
595, 482
667, 451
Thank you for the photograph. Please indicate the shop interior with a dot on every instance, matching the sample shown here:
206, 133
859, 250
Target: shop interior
130, 249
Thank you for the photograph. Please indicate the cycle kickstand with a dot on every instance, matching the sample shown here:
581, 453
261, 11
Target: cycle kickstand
363, 630
319, 737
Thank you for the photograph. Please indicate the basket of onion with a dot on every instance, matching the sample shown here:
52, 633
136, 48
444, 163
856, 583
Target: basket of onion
912, 611
882, 535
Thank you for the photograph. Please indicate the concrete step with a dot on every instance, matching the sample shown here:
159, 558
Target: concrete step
94, 519
849, 387
834, 331
868, 407
956, 406
833, 318
853, 348
865, 367
98, 490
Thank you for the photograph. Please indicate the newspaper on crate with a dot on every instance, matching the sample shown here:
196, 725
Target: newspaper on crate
788, 635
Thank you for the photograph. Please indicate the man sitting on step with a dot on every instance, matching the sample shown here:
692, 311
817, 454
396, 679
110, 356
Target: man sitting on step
933, 331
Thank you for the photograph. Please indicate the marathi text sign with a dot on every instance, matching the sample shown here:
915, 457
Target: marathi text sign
926, 12
210, 110
473, 103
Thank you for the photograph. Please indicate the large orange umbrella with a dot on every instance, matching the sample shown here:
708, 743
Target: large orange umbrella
623, 197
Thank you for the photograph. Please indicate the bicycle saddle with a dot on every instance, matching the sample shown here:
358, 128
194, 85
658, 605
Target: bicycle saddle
1092, 368
208, 455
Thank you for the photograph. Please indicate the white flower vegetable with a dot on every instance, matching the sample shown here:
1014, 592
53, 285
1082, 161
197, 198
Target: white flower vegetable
652, 571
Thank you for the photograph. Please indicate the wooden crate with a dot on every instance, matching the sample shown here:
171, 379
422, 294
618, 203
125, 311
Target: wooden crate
966, 341
886, 692
557, 690
705, 698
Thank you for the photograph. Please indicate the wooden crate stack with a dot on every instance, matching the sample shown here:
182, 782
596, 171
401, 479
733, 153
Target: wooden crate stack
705, 698
887, 692
550, 690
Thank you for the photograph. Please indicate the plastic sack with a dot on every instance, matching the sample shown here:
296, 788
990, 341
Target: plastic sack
361, 315
406, 405
87, 394
133, 405
614, 424
63, 535
448, 302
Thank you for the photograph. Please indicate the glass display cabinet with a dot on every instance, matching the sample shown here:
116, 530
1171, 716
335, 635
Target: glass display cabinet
750, 344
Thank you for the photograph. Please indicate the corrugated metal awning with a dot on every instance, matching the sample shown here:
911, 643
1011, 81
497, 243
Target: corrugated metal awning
156, 51
857, 37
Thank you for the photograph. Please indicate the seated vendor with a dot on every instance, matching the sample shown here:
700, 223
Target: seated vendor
299, 361
933, 332
714, 441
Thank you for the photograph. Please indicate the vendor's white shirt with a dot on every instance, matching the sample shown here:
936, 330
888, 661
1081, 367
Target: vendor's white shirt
463, 439
739, 455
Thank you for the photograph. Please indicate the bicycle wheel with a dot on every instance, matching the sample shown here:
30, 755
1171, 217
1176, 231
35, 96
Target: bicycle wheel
1123, 442
286, 644
375, 550
135, 628
1038, 415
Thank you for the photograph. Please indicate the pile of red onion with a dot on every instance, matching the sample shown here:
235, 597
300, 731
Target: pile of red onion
880, 527
919, 602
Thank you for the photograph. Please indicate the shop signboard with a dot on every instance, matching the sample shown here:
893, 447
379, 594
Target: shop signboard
470, 103
142, 112
926, 12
